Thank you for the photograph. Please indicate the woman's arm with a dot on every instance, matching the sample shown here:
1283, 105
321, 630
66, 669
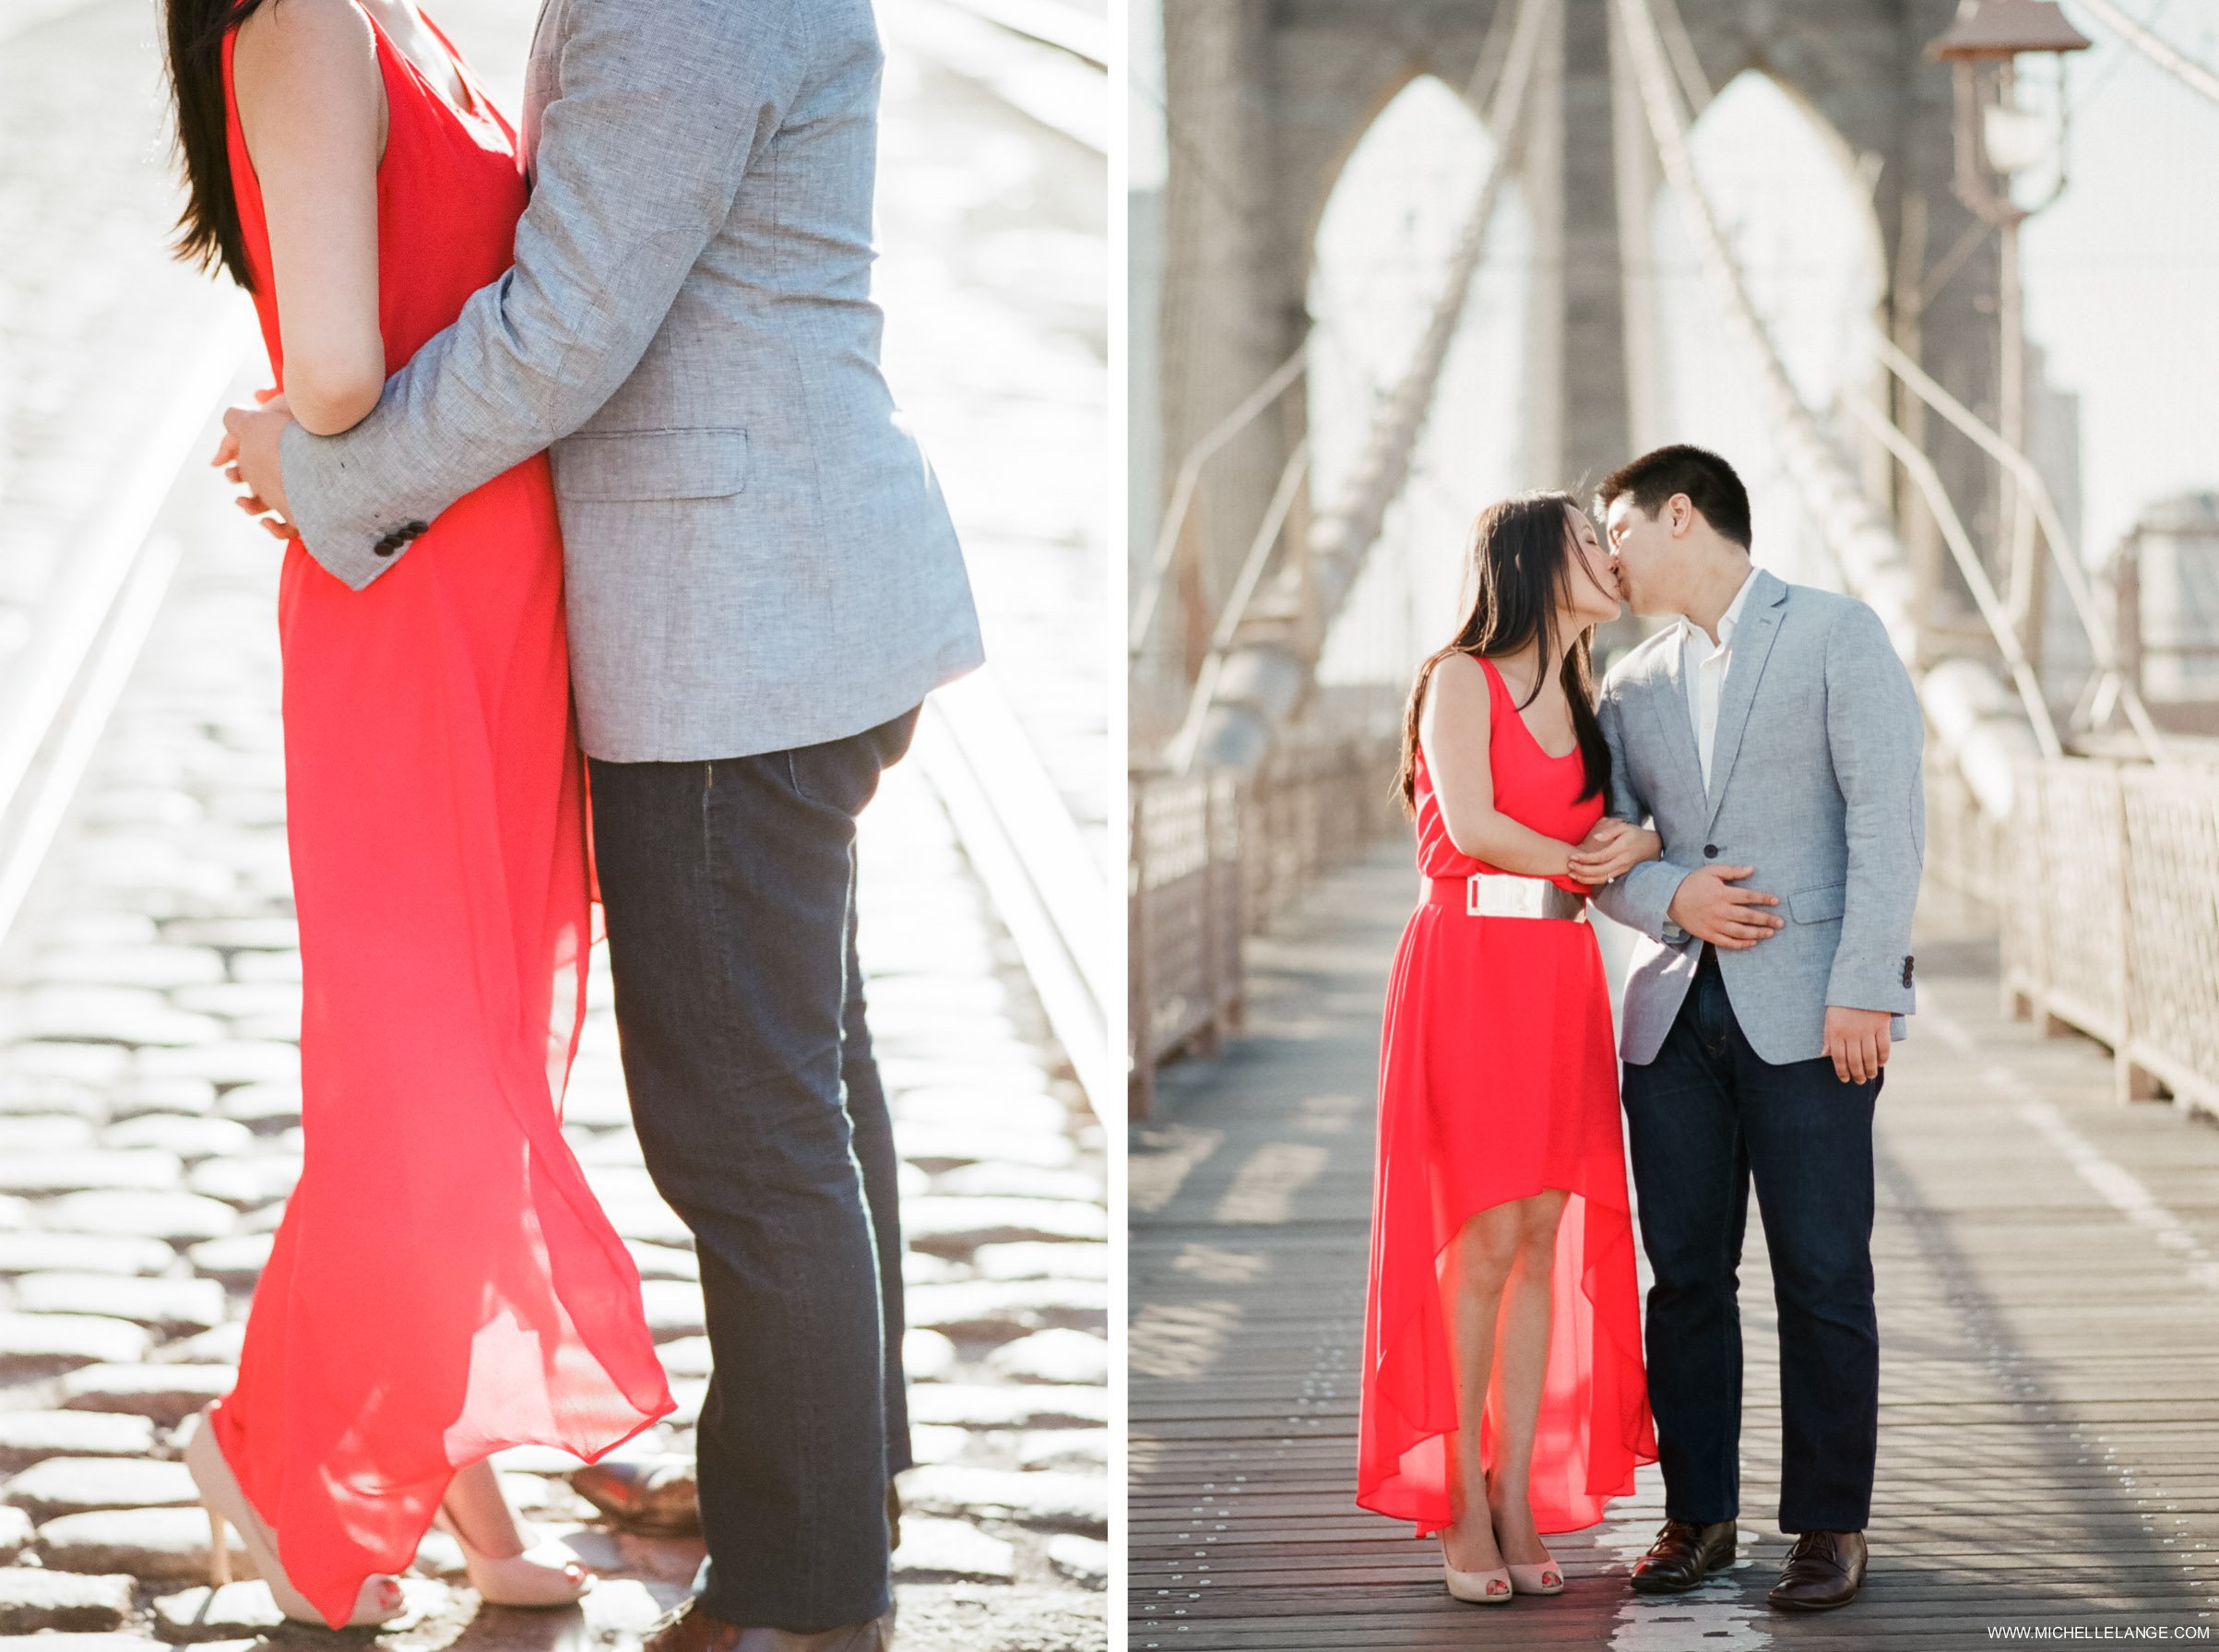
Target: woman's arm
312, 105
1453, 730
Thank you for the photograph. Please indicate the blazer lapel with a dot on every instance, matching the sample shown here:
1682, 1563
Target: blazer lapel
1673, 709
1753, 644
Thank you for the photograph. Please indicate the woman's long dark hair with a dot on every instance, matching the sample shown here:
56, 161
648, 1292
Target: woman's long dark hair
208, 230
1521, 569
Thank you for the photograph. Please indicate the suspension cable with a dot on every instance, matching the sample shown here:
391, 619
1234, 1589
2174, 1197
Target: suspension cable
2029, 477
1922, 471
2175, 63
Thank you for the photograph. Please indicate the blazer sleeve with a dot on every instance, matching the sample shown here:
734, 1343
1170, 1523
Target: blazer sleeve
1876, 736
662, 104
1641, 897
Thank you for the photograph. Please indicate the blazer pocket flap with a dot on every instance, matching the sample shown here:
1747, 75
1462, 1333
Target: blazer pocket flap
651, 464
1815, 906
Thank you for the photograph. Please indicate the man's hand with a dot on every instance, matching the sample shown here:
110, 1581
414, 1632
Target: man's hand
248, 455
1613, 848
1856, 1042
1710, 907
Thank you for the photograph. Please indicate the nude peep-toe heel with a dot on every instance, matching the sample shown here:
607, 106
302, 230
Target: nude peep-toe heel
1481, 1588
379, 1600
1545, 1579
518, 1579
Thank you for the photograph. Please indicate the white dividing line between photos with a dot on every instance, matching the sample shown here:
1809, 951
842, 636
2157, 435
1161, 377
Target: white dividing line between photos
2119, 1186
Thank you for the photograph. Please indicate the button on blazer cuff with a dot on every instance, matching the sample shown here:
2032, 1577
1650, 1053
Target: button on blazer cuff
334, 530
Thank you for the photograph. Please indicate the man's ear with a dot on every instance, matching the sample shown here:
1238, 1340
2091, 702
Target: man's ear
1682, 514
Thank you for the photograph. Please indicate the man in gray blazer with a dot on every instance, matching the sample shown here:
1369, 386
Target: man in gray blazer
762, 585
1773, 737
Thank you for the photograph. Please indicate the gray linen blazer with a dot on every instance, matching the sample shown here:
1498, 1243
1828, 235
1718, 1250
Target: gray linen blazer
756, 553
1815, 781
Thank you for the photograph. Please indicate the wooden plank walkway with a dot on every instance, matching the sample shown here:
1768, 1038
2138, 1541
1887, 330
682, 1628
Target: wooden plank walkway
2048, 1269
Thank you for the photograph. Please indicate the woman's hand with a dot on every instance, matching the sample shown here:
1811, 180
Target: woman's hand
273, 520
1613, 848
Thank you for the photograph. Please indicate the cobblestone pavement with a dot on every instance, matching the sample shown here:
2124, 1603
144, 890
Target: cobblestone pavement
149, 989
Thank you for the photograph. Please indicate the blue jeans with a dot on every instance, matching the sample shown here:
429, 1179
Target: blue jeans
730, 893
1703, 1120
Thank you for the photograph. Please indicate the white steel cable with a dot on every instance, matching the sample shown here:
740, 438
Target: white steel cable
2052, 523
2178, 64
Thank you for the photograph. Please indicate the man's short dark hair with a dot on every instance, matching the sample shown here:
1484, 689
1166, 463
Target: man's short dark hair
1707, 480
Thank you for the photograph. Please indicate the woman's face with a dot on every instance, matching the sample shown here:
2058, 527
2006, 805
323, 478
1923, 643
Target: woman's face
1591, 585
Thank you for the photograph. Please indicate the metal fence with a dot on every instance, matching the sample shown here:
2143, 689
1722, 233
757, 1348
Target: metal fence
2106, 886
1215, 858
2104, 881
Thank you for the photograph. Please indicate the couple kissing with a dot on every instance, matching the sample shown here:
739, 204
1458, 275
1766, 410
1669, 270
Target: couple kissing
1742, 790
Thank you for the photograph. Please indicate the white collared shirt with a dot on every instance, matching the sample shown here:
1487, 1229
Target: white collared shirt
1704, 669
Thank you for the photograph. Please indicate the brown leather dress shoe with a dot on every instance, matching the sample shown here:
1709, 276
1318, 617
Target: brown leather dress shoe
693, 1630
653, 1496
1823, 1571
1683, 1555
874, 1636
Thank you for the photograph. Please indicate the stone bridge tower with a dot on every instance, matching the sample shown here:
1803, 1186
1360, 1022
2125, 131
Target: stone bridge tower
1267, 99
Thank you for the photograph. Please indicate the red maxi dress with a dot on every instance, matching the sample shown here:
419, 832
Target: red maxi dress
1497, 1079
443, 1282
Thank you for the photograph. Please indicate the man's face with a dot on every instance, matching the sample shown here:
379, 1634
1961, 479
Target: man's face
1645, 553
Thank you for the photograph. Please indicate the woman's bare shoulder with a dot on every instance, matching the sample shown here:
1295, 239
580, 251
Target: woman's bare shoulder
1458, 687
319, 44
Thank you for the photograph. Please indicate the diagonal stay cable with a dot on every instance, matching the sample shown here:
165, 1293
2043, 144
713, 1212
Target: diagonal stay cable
1190, 477
1976, 580
2175, 61
2029, 477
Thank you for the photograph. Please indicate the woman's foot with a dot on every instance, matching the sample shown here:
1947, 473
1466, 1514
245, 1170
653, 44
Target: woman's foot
1532, 1568
379, 1601
507, 1565
1472, 1564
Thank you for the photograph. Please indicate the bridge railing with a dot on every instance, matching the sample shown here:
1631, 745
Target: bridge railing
1217, 854
1968, 847
2105, 880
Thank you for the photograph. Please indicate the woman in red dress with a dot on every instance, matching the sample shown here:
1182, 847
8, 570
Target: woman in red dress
1503, 1394
444, 1283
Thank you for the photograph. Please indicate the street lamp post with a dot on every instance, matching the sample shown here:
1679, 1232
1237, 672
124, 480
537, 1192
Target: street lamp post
1996, 137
